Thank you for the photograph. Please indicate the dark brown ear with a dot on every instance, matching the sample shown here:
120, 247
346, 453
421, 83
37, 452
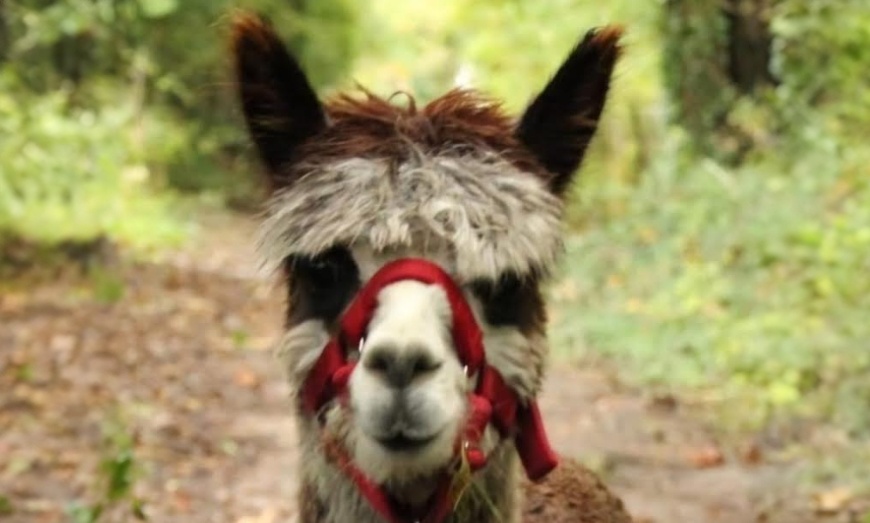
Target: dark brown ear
280, 107
558, 125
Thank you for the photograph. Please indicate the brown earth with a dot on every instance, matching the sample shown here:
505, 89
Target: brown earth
171, 360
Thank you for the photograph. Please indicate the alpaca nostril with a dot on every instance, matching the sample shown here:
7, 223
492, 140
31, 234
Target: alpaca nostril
399, 367
379, 360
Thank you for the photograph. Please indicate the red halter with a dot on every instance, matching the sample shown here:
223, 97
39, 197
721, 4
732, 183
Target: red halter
492, 401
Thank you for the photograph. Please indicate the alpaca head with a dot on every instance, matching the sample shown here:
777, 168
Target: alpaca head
358, 182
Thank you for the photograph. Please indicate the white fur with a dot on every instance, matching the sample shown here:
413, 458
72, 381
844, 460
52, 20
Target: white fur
300, 347
517, 357
410, 316
494, 217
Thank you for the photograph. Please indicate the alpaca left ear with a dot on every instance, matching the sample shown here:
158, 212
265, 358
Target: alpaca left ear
279, 104
559, 124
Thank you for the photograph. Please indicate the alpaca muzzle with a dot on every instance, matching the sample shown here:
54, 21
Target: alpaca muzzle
491, 402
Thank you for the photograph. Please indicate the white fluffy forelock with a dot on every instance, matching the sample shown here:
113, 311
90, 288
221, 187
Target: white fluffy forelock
495, 217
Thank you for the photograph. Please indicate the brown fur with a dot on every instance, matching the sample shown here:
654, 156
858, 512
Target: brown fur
560, 122
572, 494
369, 126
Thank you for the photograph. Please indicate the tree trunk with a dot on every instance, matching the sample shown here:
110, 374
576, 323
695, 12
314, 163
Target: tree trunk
716, 52
749, 44
5, 37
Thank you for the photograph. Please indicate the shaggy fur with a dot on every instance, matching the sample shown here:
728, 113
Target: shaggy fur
461, 120
299, 348
496, 218
571, 494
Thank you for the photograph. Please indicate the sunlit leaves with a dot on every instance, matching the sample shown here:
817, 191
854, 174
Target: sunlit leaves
63, 177
158, 8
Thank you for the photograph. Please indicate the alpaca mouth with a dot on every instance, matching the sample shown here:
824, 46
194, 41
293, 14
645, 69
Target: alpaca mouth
403, 443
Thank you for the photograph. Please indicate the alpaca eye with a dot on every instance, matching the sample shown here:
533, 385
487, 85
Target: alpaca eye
321, 286
511, 300
328, 270
503, 290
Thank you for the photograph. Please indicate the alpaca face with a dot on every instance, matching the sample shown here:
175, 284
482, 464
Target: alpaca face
357, 182
408, 392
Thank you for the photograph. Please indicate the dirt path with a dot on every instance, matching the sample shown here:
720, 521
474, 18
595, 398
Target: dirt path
172, 360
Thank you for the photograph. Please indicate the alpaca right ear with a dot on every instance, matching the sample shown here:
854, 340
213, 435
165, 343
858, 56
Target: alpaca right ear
560, 122
280, 107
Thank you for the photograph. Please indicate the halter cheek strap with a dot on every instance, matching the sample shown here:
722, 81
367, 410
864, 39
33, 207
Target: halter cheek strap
492, 401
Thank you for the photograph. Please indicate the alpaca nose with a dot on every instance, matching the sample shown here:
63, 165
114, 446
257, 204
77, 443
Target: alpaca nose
399, 367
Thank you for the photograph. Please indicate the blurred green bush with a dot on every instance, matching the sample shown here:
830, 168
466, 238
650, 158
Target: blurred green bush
744, 280
76, 174
748, 286
108, 108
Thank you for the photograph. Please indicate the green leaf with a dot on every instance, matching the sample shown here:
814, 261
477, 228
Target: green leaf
5, 506
85, 514
158, 8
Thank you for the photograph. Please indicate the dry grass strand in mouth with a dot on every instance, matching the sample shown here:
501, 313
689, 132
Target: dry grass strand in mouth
463, 481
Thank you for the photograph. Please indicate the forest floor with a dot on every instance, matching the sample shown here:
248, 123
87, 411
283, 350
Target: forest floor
165, 371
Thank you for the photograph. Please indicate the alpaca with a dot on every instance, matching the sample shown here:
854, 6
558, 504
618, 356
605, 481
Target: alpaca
414, 242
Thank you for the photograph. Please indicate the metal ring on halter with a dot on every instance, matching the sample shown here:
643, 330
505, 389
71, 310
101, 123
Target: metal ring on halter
362, 342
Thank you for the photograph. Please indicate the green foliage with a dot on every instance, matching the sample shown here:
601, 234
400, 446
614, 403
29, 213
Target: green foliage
818, 79
105, 104
823, 71
73, 173
746, 285
696, 68
117, 477
107, 286
749, 283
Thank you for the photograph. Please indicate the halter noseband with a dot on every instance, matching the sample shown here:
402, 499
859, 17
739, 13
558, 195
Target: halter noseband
492, 401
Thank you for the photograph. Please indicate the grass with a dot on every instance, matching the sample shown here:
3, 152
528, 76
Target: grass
115, 480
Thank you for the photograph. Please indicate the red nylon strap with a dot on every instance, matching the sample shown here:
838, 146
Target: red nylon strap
493, 400
319, 389
511, 417
467, 337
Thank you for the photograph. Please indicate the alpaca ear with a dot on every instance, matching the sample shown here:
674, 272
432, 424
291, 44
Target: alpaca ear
558, 125
280, 107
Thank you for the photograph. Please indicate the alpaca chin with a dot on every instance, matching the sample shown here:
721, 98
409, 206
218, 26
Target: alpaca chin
386, 467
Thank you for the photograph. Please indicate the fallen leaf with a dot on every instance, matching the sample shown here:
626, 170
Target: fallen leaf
706, 457
833, 501
181, 501
268, 515
245, 377
751, 454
